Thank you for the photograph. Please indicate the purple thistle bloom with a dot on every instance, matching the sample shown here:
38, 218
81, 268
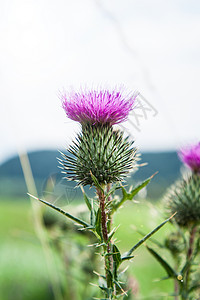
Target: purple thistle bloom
191, 157
98, 107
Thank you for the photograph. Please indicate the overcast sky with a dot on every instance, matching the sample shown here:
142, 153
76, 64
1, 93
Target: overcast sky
147, 45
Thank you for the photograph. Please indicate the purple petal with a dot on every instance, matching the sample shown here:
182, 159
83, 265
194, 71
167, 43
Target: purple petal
191, 157
98, 107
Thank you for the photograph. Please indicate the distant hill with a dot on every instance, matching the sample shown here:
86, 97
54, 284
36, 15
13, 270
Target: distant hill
167, 164
44, 164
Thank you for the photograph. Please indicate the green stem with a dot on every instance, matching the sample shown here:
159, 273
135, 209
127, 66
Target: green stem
105, 232
189, 258
190, 253
109, 225
176, 283
176, 289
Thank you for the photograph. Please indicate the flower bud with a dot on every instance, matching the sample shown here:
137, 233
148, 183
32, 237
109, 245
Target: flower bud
184, 198
102, 151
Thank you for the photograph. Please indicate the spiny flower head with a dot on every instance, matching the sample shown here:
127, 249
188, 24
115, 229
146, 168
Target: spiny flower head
191, 157
184, 199
98, 106
102, 151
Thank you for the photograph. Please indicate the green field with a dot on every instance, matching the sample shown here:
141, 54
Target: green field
24, 274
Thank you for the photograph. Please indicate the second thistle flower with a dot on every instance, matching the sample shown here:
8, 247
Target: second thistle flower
184, 196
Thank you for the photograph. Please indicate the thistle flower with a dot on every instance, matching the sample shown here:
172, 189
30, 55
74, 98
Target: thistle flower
102, 151
99, 149
184, 198
191, 157
98, 106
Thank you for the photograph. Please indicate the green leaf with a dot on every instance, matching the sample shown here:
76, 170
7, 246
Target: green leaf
116, 260
128, 296
77, 220
109, 278
110, 235
150, 239
120, 287
92, 214
116, 255
107, 292
112, 190
87, 200
147, 237
127, 257
185, 267
104, 289
96, 183
98, 223
132, 194
170, 271
139, 187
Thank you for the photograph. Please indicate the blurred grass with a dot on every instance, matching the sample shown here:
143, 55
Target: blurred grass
15, 215
22, 264
144, 267
23, 271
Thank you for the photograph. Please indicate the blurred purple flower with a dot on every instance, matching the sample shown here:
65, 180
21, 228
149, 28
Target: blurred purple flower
191, 157
98, 106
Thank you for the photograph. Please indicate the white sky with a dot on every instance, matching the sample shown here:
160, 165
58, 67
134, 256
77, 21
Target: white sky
148, 45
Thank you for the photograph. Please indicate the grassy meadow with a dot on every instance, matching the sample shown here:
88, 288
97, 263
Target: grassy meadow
25, 274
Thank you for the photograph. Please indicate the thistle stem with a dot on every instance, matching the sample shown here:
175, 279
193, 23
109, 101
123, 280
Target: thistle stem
189, 258
176, 285
109, 212
109, 223
107, 248
103, 215
191, 242
190, 252
176, 289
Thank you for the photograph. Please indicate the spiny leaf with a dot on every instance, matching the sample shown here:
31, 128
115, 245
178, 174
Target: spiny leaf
119, 286
100, 245
185, 267
150, 239
92, 214
77, 220
111, 234
147, 237
104, 289
128, 296
171, 272
107, 292
96, 183
139, 187
127, 257
133, 193
109, 278
116, 256
98, 223
87, 200
112, 190
116, 260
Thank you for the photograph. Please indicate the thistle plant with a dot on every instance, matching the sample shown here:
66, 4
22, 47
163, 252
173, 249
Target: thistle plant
102, 157
184, 242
